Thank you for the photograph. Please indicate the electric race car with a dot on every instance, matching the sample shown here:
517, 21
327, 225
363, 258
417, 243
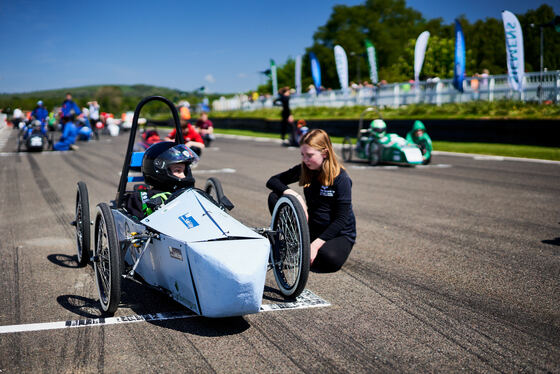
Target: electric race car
191, 248
33, 138
377, 147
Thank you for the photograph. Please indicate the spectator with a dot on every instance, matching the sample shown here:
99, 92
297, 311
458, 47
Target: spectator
17, 117
69, 109
206, 128
474, 86
193, 140
284, 100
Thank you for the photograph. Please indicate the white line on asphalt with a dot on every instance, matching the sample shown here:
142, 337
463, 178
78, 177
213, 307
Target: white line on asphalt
6, 154
495, 158
307, 299
214, 171
394, 167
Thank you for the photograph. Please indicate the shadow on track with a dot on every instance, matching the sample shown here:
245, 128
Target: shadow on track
80, 305
142, 299
555, 241
63, 260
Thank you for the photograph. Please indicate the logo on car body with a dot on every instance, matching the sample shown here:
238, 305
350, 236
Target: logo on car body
188, 221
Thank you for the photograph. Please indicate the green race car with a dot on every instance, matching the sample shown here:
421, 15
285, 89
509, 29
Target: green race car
377, 147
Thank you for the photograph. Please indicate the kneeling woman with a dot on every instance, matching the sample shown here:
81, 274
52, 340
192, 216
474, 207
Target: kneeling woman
328, 200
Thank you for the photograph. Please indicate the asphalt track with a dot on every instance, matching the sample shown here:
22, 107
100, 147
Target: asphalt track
456, 268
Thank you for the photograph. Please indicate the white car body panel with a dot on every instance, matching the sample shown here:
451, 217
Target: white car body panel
204, 258
412, 154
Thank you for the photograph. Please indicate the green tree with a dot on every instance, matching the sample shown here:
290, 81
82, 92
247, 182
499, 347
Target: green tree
438, 61
109, 98
391, 26
531, 39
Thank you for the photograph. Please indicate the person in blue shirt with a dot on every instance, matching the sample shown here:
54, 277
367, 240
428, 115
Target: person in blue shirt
69, 109
68, 138
328, 200
41, 113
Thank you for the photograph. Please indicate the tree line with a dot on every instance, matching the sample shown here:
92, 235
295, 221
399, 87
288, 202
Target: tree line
114, 99
393, 28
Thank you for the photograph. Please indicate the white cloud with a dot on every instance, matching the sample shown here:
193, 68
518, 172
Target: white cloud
209, 78
242, 75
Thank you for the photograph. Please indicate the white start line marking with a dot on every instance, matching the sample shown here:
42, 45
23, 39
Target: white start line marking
307, 299
395, 167
214, 171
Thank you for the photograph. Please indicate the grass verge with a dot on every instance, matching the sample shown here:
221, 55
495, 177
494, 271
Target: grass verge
509, 150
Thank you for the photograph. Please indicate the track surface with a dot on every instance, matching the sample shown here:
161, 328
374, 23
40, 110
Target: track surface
456, 267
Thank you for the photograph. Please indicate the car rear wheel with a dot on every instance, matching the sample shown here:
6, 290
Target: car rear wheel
347, 149
290, 254
374, 156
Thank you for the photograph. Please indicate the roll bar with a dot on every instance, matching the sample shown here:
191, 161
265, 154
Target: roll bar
126, 166
368, 109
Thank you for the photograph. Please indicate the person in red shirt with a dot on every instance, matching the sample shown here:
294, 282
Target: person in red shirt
193, 140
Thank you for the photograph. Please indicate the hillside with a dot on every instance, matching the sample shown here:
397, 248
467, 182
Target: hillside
112, 98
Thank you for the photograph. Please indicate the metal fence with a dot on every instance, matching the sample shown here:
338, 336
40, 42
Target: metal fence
437, 92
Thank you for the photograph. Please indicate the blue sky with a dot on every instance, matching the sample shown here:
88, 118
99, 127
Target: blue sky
219, 44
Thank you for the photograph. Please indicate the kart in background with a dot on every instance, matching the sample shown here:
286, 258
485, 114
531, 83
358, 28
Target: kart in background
32, 139
191, 248
391, 149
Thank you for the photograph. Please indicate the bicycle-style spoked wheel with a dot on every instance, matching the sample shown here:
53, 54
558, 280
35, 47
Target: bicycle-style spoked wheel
82, 224
290, 253
108, 264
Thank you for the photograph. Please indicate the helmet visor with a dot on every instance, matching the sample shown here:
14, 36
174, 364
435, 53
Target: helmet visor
175, 155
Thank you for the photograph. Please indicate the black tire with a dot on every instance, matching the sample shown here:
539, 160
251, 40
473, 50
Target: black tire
347, 149
50, 141
108, 263
427, 161
214, 189
374, 156
291, 256
83, 232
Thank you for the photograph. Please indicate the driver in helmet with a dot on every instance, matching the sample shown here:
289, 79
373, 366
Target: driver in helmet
378, 128
166, 169
40, 113
420, 137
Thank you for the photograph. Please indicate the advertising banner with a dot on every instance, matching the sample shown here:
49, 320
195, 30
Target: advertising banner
372, 59
315, 71
514, 50
459, 70
273, 77
298, 75
419, 53
341, 66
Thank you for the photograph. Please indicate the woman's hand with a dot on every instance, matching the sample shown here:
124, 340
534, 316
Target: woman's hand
289, 191
315, 246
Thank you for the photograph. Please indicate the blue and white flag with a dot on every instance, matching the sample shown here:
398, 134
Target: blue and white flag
419, 53
298, 74
341, 66
315, 71
273, 77
514, 50
459, 70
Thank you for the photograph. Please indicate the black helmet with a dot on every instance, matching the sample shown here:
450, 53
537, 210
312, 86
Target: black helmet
156, 162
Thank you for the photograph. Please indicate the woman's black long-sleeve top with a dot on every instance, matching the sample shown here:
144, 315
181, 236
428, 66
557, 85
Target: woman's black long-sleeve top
329, 207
